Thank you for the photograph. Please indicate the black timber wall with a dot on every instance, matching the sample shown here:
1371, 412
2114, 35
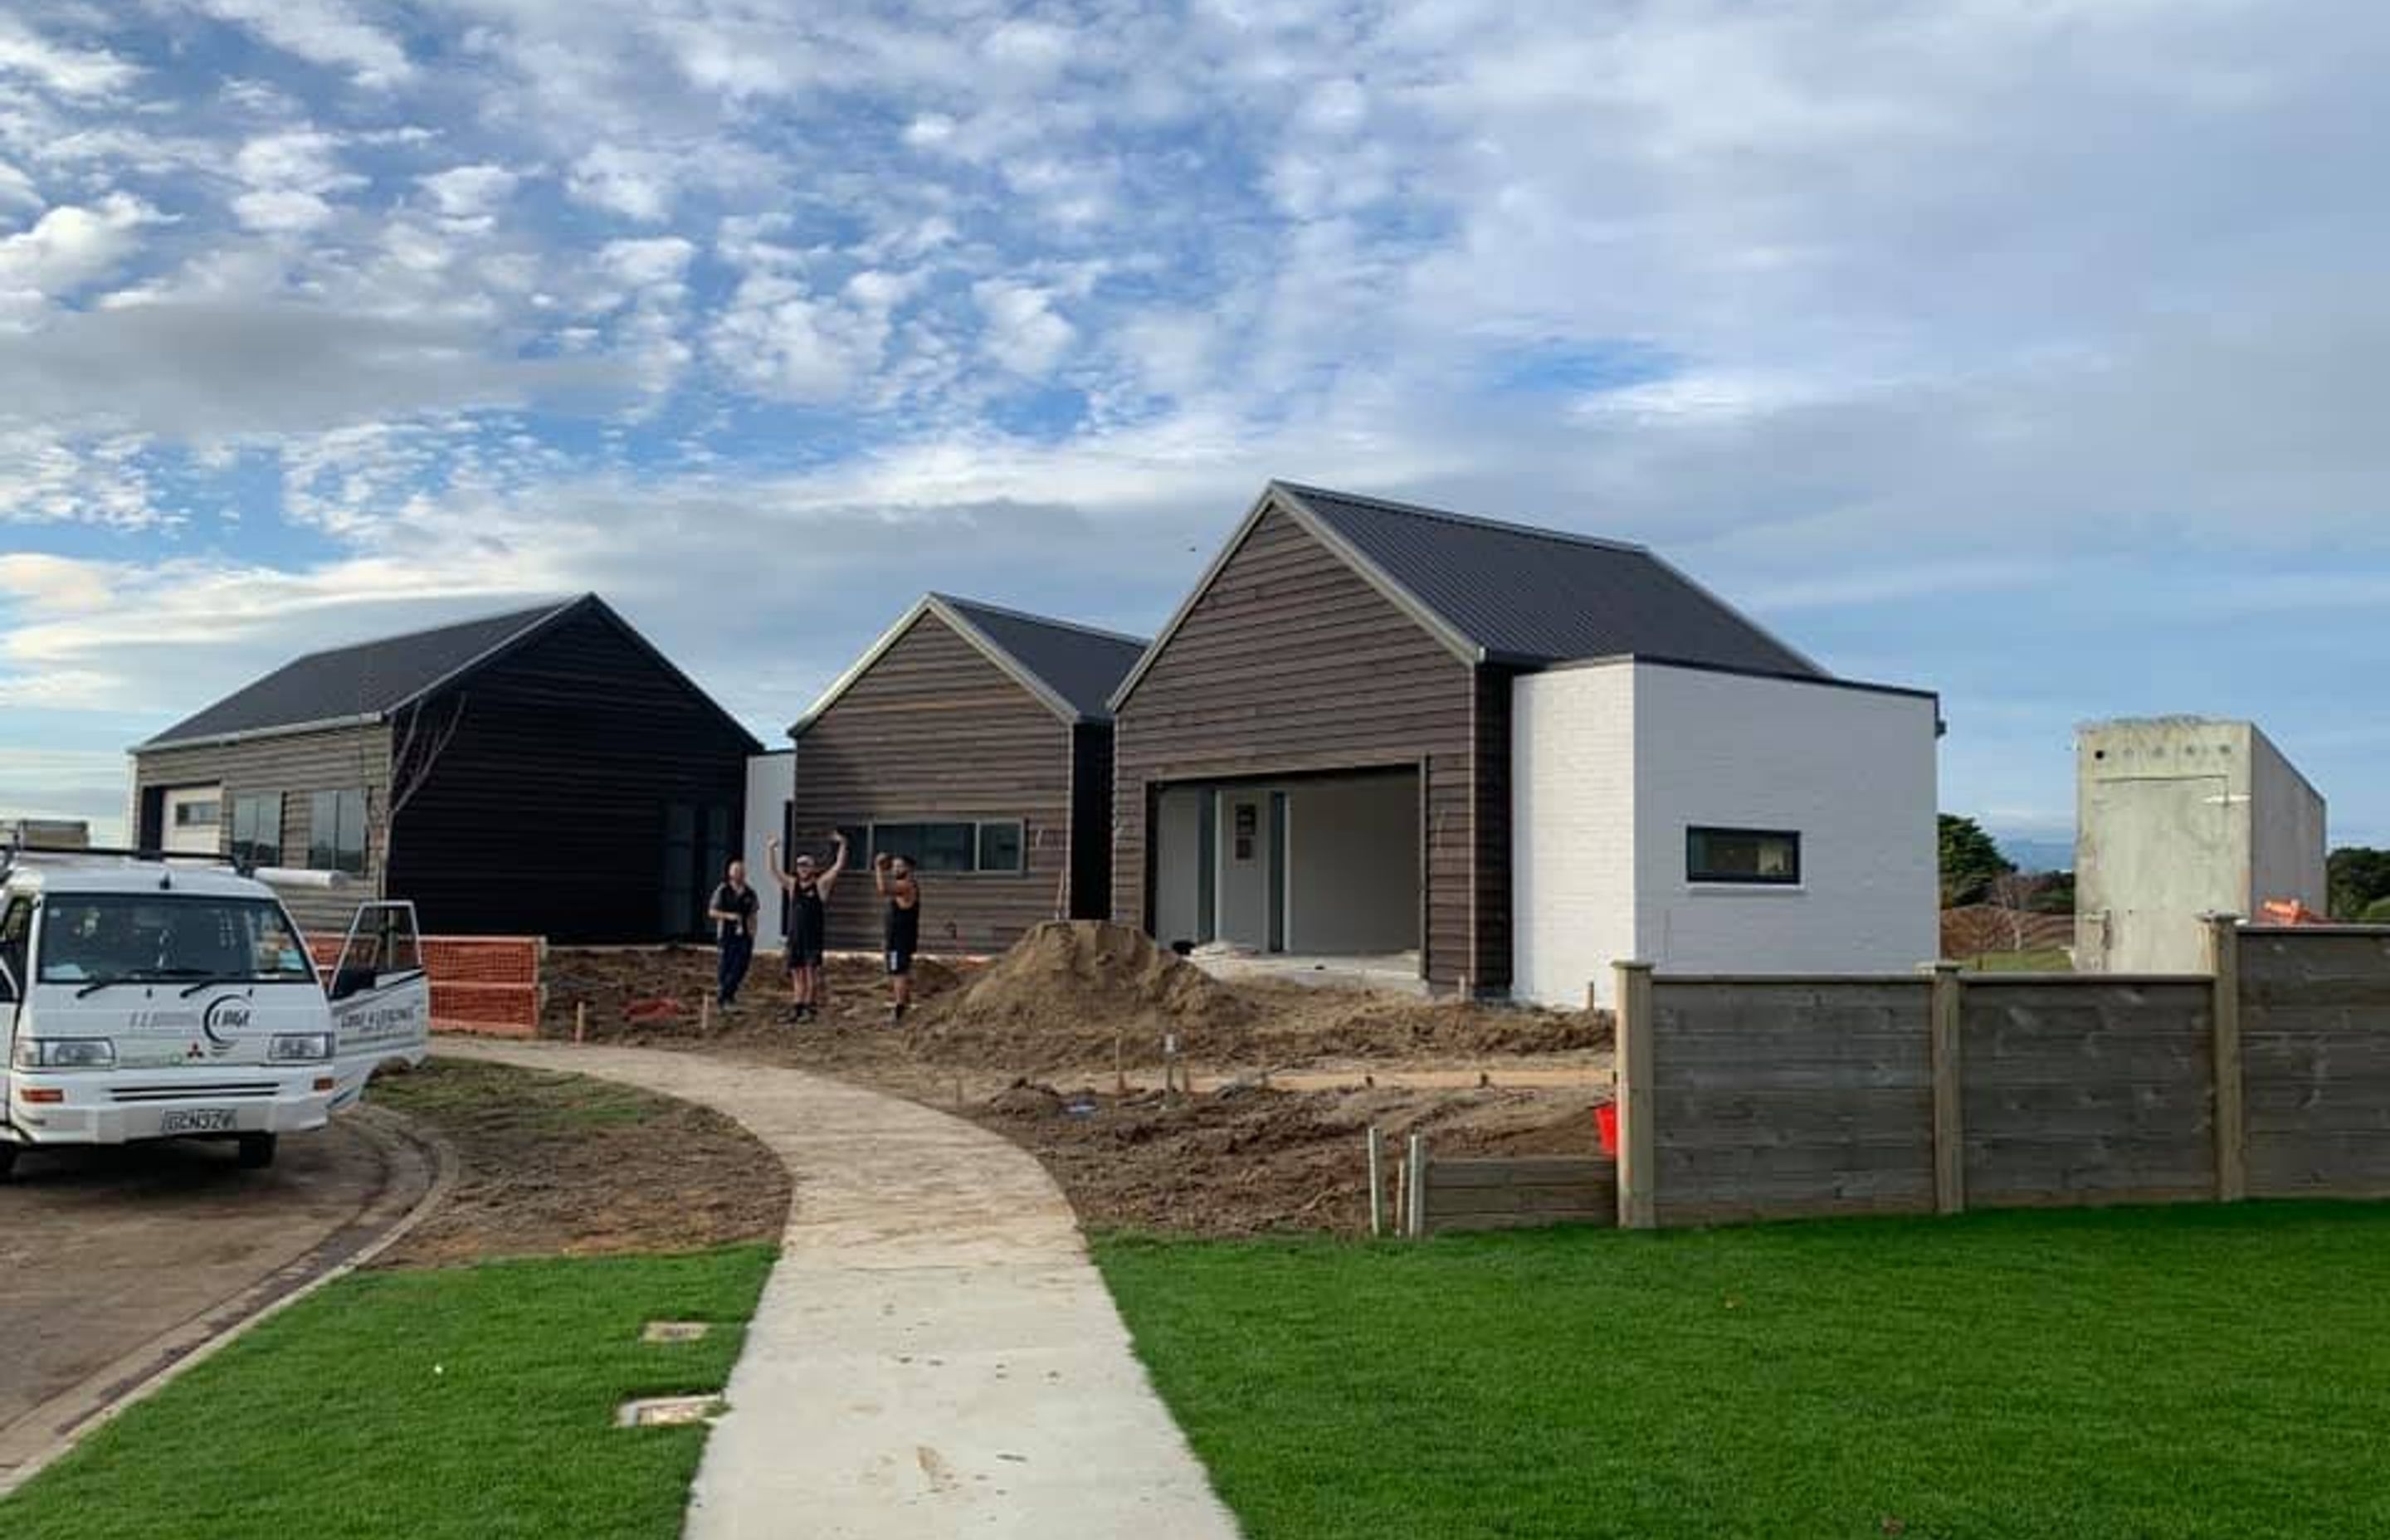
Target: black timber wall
1289, 663
1091, 820
294, 765
934, 731
545, 814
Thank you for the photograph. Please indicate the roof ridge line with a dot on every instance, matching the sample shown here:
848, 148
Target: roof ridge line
1504, 526
527, 612
1055, 622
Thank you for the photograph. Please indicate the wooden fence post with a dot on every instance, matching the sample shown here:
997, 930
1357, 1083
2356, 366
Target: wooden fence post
2231, 1114
1638, 1171
1950, 1127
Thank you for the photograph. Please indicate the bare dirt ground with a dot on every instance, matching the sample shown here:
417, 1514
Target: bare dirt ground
559, 1165
1060, 1045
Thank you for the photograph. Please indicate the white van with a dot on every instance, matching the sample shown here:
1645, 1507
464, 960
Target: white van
149, 999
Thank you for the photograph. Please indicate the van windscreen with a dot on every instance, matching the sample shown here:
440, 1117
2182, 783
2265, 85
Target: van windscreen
87, 938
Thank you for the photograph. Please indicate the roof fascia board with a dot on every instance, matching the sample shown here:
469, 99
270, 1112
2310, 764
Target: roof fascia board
248, 735
1277, 495
1649, 660
488, 655
1056, 623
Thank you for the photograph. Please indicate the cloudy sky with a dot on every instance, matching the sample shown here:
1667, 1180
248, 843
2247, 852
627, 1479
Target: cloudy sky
2026, 350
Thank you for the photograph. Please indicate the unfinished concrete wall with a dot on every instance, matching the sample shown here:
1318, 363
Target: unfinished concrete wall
2087, 1091
2286, 835
2315, 1044
1353, 866
1774, 1098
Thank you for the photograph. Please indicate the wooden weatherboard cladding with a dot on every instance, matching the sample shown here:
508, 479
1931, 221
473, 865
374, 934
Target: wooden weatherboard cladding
932, 731
1289, 661
295, 766
547, 813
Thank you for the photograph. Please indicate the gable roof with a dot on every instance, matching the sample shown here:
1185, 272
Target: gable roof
1071, 669
367, 682
1512, 594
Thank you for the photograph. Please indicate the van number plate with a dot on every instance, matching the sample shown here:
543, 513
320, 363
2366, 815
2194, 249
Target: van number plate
197, 1120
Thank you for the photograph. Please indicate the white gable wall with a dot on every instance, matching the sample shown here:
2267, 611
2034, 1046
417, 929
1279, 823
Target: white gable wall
1612, 763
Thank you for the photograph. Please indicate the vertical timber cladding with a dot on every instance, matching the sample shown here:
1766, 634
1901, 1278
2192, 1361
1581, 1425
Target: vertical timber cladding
2315, 1055
1289, 661
294, 765
545, 812
934, 731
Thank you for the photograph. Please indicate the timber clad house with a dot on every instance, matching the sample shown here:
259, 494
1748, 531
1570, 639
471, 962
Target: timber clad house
540, 773
1505, 757
977, 742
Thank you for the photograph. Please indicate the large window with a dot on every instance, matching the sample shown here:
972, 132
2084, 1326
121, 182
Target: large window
994, 846
1765, 856
257, 830
336, 832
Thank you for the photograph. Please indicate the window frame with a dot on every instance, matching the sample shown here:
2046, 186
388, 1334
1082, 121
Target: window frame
978, 827
1696, 875
245, 853
316, 834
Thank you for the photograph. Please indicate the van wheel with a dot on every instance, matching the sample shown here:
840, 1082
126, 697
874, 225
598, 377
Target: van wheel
255, 1151
8, 1159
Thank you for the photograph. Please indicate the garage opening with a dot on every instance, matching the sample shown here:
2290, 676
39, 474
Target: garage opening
1320, 867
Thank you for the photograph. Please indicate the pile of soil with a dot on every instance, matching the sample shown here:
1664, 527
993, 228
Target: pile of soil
1084, 993
1252, 1161
554, 1164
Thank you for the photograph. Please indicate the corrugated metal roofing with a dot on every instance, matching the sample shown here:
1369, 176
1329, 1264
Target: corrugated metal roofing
1543, 596
365, 680
1082, 666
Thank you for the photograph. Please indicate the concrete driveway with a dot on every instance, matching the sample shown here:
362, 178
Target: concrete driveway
116, 1263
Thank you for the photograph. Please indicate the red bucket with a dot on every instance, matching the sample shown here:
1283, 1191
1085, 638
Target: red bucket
1605, 1117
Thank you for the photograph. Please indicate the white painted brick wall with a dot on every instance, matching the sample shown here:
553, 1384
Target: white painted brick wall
1612, 763
1571, 831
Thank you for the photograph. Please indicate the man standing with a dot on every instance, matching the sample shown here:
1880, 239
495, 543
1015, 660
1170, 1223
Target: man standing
892, 875
732, 909
808, 891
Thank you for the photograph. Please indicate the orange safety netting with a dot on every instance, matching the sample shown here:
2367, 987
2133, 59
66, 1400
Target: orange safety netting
485, 984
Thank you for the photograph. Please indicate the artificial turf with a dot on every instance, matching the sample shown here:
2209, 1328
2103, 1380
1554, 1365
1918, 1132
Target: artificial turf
462, 1401
2182, 1372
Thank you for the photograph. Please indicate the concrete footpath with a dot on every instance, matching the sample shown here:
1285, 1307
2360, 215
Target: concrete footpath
935, 1354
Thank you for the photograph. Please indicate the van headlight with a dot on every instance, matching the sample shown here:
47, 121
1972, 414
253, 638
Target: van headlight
299, 1047
64, 1053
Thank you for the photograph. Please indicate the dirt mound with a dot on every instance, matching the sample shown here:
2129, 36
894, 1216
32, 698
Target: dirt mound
1300, 1024
1084, 992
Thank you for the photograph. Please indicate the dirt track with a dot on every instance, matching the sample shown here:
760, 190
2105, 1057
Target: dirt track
1059, 1048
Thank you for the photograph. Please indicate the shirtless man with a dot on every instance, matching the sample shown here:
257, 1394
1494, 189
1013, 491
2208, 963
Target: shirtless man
892, 875
808, 891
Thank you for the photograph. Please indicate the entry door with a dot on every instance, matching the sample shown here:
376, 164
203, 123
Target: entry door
2162, 847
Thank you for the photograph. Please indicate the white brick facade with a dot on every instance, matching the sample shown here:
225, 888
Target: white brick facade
1614, 761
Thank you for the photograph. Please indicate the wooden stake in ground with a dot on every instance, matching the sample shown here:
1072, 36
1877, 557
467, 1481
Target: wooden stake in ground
1376, 1144
705, 1015
581, 1021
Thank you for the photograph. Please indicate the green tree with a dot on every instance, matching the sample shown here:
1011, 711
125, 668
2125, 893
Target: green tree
2055, 895
2376, 913
1971, 861
2360, 877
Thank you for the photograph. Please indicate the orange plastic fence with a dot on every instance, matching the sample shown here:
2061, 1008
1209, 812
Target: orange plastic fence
485, 984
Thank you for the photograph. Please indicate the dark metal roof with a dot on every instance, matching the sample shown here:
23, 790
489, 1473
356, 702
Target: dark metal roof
363, 682
1529, 595
1081, 665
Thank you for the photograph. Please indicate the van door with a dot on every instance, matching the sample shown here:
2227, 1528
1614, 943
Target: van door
381, 998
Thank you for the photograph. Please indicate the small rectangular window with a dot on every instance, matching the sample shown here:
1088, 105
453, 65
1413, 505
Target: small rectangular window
198, 814
1770, 857
257, 830
336, 832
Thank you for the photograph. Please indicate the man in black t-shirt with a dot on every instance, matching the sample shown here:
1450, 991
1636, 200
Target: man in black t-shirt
732, 909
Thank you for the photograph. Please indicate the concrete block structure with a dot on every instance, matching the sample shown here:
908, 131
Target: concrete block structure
2180, 817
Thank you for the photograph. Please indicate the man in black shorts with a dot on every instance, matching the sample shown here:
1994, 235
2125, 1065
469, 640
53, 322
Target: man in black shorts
892, 875
808, 931
732, 909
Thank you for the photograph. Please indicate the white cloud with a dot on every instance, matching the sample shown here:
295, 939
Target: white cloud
75, 72
636, 184
68, 248
321, 32
1023, 333
469, 192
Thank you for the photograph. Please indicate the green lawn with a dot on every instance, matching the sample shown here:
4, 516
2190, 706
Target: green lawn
2041, 959
467, 1401
2158, 1373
